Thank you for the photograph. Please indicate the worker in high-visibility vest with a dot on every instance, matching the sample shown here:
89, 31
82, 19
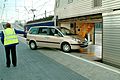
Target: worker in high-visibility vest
10, 40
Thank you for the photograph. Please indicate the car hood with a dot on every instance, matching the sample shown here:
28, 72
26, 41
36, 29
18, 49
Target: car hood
76, 37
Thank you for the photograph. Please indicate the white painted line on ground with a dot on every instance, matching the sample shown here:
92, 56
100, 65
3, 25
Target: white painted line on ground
23, 39
92, 62
84, 60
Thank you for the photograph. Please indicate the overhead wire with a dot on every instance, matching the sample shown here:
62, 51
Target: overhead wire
37, 1
39, 8
43, 6
3, 9
44, 13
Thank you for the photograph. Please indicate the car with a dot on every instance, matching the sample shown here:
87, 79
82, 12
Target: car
54, 37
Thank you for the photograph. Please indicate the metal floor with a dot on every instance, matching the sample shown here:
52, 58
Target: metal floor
92, 52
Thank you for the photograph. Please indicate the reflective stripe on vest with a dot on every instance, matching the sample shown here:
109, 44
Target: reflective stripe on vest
10, 36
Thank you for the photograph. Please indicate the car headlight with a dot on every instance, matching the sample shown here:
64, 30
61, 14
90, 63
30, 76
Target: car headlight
75, 39
86, 40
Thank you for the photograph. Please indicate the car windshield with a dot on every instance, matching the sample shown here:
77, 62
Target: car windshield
66, 31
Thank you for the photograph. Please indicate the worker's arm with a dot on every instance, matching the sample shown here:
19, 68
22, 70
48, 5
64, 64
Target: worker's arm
0, 34
19, 32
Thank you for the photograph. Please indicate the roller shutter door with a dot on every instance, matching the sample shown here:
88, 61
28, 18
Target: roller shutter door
111, 38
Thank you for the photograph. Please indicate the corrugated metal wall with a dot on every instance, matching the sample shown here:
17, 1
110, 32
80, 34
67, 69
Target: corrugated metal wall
76, 8
111, 38
84, 7
112, 4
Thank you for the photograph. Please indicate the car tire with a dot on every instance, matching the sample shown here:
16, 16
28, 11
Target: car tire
66, 47
32, 45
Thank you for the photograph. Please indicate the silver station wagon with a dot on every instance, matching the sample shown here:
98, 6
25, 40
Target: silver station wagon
54, 37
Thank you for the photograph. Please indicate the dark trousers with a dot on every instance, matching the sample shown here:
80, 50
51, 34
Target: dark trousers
11, 49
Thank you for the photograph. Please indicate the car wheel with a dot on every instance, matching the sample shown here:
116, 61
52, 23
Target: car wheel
33, 45
66, 47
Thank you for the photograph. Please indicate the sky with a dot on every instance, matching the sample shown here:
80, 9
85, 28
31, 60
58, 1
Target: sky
11, 10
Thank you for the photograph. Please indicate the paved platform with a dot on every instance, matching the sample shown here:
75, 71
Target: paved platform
90, 69
52, 64
33, 65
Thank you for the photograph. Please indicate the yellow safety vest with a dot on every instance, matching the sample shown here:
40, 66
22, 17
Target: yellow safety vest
10, 36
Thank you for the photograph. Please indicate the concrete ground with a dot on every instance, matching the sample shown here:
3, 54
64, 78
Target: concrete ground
34, 65
53, 64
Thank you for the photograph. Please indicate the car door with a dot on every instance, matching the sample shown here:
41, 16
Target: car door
42, 37
32, 34
54, 38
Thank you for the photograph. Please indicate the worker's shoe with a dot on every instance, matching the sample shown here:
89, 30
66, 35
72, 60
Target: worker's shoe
14, 65
8, 66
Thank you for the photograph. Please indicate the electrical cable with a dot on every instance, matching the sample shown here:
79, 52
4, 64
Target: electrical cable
3, 9
37, 1
44, 13
43, 5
